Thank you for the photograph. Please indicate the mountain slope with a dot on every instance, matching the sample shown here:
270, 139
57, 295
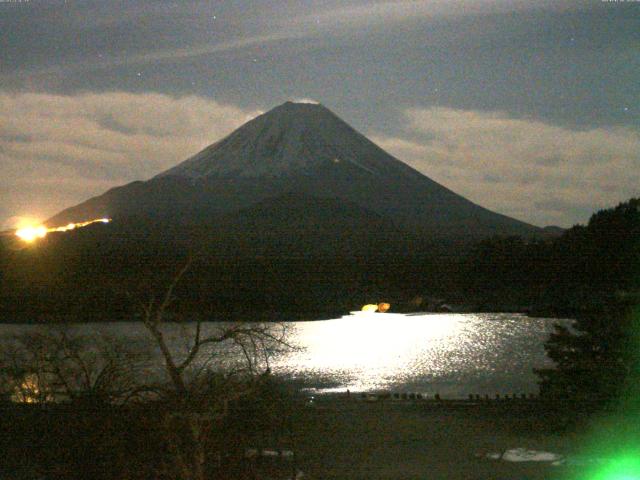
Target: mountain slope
301, 149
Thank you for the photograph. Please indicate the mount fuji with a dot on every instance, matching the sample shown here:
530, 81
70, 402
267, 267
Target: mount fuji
298, 160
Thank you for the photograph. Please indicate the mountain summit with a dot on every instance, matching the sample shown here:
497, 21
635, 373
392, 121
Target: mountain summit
293, 138
297, 151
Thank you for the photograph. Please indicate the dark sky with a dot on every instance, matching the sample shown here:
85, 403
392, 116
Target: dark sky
530, 108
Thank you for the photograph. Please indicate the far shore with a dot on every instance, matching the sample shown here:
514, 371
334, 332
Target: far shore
273, 316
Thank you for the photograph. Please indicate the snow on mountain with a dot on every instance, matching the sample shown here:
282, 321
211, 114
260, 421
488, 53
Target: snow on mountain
295, 137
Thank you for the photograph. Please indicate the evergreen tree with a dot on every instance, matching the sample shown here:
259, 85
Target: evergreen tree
598, 357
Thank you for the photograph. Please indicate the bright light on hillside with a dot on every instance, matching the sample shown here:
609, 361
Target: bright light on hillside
31, 233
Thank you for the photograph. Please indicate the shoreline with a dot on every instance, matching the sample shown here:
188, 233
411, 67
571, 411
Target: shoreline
277, 317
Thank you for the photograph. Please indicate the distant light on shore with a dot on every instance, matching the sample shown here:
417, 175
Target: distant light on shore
379, 307
30, 391
32, 233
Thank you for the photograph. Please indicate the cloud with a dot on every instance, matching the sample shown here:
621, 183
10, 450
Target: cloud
534, 171
258, 27
56, 150
362, 14
155, 56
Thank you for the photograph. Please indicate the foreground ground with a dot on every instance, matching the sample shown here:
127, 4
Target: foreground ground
346, 438
333, 437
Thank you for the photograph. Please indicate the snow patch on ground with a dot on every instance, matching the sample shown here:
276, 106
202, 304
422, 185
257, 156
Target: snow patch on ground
525, 455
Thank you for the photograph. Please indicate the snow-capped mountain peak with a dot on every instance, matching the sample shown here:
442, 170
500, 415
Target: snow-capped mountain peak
295, 137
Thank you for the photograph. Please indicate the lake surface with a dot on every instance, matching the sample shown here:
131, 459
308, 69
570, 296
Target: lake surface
449, 354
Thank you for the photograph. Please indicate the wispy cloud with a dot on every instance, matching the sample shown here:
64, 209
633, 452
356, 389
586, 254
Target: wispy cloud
152, 57
390, 13
528, 169
270, 27
56, 151
59, 150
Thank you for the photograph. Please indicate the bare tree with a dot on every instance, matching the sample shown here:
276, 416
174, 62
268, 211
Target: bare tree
220, 365
53, 364
22, 373
200, 388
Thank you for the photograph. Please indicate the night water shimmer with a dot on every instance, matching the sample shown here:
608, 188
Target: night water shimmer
450, 354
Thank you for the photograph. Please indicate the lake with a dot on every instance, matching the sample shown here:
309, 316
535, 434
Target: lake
450, 354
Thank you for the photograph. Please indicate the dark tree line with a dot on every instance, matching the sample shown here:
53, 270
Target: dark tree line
600, 359
92, 274
562, 276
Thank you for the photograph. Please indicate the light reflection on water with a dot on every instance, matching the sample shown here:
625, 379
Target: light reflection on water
450, 354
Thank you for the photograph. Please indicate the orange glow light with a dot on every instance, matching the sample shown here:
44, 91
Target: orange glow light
33, 232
